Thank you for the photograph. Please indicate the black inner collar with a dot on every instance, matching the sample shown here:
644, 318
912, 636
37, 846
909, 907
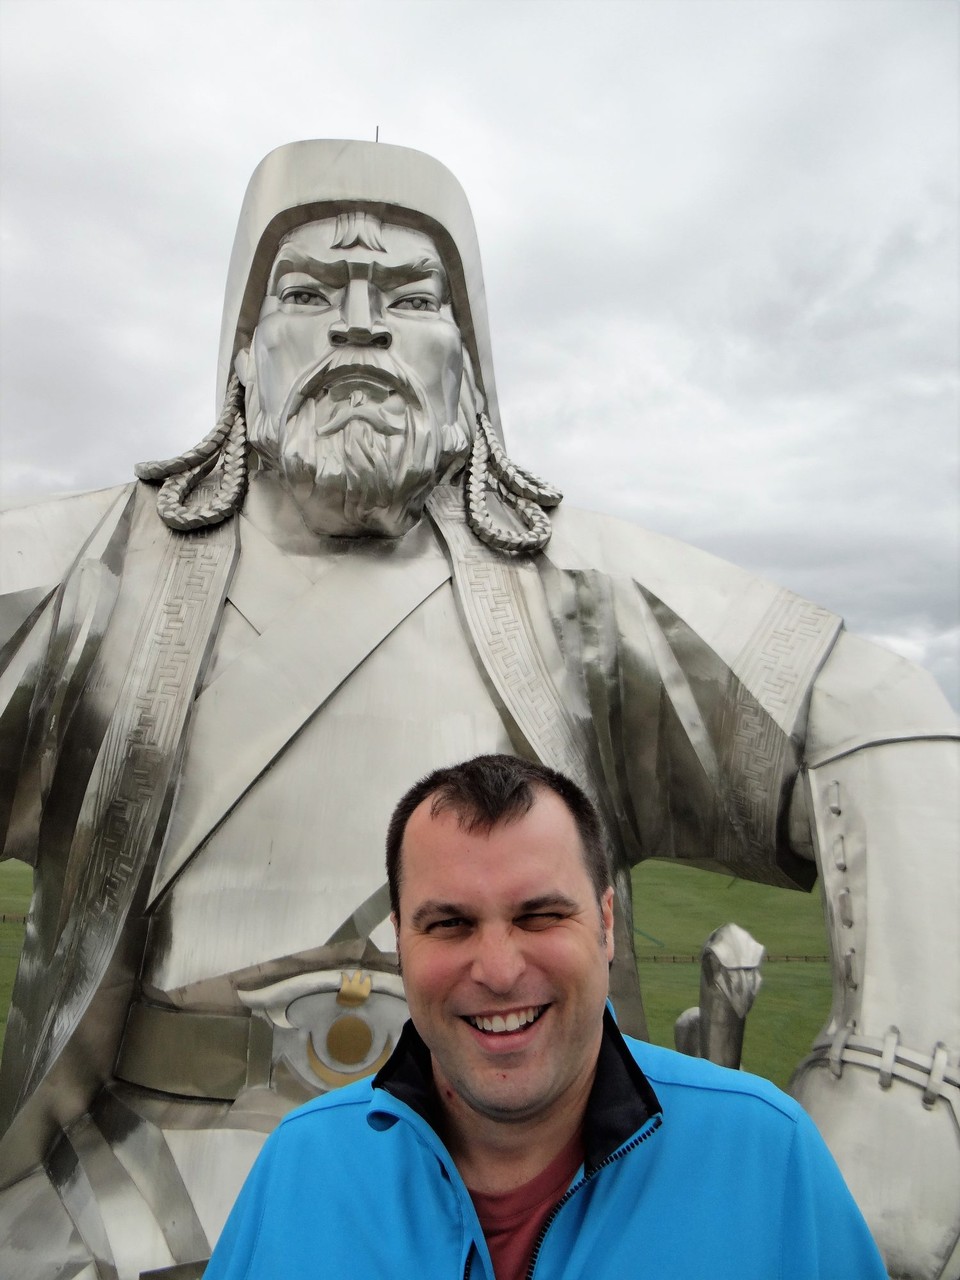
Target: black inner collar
621, 1101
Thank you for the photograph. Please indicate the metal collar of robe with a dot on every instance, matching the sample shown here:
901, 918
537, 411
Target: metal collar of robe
305, 181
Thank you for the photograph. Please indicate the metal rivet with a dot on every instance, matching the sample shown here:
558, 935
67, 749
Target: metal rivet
938, 1070
888, 1057
839, 854
846, 908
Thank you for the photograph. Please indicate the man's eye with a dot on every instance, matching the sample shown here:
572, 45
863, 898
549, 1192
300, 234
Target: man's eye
448, 925
304, 297
538, 919
416, 302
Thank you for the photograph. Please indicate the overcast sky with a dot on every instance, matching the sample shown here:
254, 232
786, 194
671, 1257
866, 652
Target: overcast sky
720, 243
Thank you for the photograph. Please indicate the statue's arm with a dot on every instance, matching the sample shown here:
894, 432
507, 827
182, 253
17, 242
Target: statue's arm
881, 794
20, 665
38, 544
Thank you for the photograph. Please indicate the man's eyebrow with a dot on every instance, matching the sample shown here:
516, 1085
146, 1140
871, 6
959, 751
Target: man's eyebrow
548, 902
544, 902
433, 910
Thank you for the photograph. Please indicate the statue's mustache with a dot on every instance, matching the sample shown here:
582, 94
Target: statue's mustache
347, 369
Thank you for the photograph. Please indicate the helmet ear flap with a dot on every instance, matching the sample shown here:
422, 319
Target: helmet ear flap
472, 402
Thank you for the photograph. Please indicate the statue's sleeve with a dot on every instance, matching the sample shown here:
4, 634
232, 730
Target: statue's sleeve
129, 634
696, 721
881, 791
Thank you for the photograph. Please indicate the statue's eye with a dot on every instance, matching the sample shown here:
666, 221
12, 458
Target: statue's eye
304, 297
416, 302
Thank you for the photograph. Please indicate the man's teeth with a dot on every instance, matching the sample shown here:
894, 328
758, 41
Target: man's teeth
507, 1022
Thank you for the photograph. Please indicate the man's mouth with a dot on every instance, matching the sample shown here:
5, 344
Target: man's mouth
499, 1023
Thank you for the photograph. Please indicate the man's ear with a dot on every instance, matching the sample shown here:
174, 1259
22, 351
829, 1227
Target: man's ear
241, 365
606, 913
395, 921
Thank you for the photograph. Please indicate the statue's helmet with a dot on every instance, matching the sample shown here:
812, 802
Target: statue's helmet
306, 182
303, 182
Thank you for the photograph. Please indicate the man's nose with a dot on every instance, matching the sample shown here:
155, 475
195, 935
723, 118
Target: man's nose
498, 961
357, 325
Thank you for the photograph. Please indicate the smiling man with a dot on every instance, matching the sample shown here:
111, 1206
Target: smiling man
506, 944
514, 1131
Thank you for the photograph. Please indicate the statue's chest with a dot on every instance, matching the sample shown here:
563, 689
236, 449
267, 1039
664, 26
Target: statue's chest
303, 846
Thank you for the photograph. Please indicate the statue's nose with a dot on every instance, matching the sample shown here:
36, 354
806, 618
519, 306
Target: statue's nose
357, 325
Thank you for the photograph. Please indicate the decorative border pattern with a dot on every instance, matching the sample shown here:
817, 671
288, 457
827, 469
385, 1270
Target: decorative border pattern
490, 590
128, 789
773, 676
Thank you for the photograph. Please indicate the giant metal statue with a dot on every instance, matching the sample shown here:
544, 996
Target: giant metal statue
212, 700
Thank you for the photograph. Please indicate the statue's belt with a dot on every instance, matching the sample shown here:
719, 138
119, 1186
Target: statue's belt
219, 1055
931, 1072
194, 1055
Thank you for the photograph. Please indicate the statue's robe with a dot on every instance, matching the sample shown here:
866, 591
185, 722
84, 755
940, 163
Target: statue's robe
204, 737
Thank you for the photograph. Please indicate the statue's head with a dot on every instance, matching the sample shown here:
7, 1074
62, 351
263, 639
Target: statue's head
355, 337
353, 308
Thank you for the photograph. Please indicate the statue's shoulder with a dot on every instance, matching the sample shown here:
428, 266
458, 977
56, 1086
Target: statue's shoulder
587, 540
40, 539
866, 693
730, 607
860, 689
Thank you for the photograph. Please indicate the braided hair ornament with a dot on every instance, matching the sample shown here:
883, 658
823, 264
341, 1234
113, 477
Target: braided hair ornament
489, 470
519, 490
226, 444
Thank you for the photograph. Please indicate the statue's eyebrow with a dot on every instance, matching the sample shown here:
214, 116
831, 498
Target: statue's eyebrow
336, 274
293, 259
406, 272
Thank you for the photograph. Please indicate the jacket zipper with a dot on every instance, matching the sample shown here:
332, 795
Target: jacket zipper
571, 1191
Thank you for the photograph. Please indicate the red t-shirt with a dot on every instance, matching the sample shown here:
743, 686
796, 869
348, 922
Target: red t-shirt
511, 1220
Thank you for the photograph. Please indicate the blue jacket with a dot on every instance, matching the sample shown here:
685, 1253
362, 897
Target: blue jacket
715, 1174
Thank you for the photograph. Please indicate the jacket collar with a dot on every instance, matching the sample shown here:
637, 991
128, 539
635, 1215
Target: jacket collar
621, 1101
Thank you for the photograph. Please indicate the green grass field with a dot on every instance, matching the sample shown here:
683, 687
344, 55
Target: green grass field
15, 887
675, 908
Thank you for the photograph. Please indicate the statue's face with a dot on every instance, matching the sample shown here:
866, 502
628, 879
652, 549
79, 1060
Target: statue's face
353, 380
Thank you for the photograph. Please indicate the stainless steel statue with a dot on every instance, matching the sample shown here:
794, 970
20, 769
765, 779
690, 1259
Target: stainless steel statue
207, 717
729, 982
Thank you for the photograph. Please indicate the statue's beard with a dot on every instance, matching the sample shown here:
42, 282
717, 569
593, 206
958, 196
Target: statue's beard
358, 447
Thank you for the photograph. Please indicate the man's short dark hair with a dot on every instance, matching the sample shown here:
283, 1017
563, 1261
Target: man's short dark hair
488, 790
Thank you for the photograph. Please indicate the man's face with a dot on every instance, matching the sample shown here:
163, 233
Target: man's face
505, 953
354, 382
